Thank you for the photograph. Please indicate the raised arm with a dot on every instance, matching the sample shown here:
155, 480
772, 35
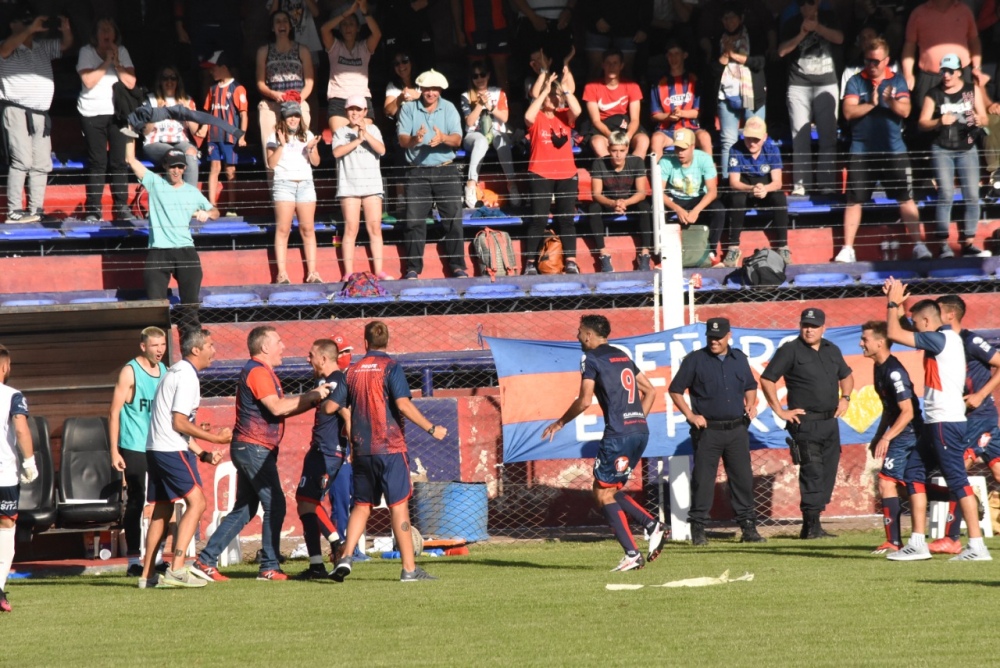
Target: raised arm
138, 168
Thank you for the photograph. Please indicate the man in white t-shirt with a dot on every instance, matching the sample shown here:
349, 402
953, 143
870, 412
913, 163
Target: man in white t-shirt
171, 458
944, 421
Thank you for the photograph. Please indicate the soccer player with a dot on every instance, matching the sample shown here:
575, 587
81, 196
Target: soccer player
322, 463
171, 458
944, 417
13, 432
626, 396
128, 430
898, 430
379, 399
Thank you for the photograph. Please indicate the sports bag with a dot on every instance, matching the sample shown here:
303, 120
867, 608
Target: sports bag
550, 255
363, 284
764, 267
495, 253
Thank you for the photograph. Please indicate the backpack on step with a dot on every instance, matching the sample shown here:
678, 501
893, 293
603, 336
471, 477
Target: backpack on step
495, 253
363, 284
550, 255
765, 267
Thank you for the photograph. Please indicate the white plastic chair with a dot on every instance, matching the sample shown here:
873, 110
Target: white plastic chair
937, 511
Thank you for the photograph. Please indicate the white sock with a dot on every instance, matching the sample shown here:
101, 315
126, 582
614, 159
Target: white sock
977, 544
316, 559
917, 540
6, 554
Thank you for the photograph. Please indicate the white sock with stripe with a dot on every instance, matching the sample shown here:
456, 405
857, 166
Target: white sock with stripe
6, 554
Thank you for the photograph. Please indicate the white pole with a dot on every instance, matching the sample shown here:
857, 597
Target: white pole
656, 302
656, 184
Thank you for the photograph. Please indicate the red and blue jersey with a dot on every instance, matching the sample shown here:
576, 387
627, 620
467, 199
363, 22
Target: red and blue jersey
893, 387
373, 386
327, 428
614, 375
227, 102
254, 422
482, 15
978, 353
676, 94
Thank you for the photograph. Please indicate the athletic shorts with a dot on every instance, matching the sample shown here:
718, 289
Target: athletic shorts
595, 41
337, 106
616, 457
378, 476
945, 441
319, 470
982, 436
892, 170
294, 191
172, 475
221, 152
9, 497
488, 42
614, 122
894, 467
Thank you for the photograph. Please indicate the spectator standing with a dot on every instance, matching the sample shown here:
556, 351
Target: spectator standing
170, 134
303, 14
615, 24
811, 40
100, 65
429, 131
406, 27
226, 100
675, 103
358, 148
619, 186
284, 73
552, 171
349, 58
400, 90
486, 112
291, 154
481, 29
26, 90
613, 104
547, 23
955, 113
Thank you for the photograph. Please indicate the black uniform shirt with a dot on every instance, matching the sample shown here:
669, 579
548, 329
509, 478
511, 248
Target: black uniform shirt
812, 377
716, 385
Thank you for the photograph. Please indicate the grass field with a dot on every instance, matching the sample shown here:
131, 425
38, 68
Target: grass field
817, 603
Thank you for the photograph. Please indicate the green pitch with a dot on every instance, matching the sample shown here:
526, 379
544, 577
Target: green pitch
816, 603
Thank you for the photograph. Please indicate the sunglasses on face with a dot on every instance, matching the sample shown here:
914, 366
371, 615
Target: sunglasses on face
873, 62
950, 72
169, 77
479, 75
402, 61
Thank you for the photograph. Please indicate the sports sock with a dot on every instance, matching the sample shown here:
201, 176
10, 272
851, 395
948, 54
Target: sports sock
327, 527
638, 514
977, 544
6, 554
310, 531
917, 540
954, 528
619, 525
891, 510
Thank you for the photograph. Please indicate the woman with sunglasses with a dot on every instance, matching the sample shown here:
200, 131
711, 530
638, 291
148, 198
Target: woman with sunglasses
485, 110
956, 113
163, 136
349, 58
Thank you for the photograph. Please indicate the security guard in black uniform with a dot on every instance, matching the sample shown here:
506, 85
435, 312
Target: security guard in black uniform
819, 385
723, 402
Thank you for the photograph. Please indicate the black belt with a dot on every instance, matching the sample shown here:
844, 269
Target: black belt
724, 425
443, 164
816, 417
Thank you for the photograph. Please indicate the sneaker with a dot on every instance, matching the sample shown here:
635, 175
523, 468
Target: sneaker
4, 603
415, 575
122, 213
571, 267
134, 571
732, 257
314, 572
23, 217
921, 252
969, 554
644, 262
845, 255
799, 190
182, 578
470, 197
786, 254
945, 546
605, 261
231, 214
713, 260
91, 218
151, 583
910, 552
886, 548
207, 573
628, 563
946, 251
410, 275
129, 132
459, 273
275, 574
530, 269
342, 570
971, 250
656, 540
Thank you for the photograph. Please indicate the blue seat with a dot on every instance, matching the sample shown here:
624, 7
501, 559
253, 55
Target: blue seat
232, 300
364, 300
469, 221
625, 287
878, 277
79, 229
494, 291
432, 294
96, 299
225, 227
297, 298
28, 302
734, 282
25, 233
707, 283
957, 275
823, 279
560, 289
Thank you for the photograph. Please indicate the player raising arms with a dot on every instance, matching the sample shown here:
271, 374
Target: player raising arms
626, 396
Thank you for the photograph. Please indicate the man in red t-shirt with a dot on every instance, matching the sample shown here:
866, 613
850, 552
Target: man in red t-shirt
613, 105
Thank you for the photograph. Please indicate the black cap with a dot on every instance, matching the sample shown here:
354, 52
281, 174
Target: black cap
220, 58
813, 317
716, 328
174, 157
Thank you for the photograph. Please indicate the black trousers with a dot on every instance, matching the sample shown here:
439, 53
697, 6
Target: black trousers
424, 187
774, 204
135, 498
542, 190
713, 215
184, 265
733, 447
819, 448
105, 155
640, 212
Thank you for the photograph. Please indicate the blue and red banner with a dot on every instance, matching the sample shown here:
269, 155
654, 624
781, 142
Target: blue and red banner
539, 380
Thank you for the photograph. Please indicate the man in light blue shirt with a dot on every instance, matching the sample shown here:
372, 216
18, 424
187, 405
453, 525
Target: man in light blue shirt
430, 130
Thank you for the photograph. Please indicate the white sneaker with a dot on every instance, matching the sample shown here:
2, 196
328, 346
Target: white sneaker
470, 196
799, 190
845, 255
969, 554
921, 252
629, 563
910, 552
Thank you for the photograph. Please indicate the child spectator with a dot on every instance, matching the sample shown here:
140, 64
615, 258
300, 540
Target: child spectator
227, 100
675, 103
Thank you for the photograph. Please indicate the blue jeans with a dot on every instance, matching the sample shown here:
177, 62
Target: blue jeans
729, 129
257, 482
946, 162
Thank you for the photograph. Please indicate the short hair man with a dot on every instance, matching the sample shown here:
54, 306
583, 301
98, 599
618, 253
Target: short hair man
14, 433
819, 385
380, 398
898, 430
626, 396
261, 409
171, 458
614, 104
128, 431
429, 131
723, 396
944, 417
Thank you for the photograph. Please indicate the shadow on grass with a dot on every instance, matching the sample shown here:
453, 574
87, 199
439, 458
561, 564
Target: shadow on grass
981, 583
530, 564
811, 551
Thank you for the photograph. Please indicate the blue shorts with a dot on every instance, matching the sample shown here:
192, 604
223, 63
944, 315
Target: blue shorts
221, 152
944, 440
172, 475
982, 436
9, 498
377, 476
319, 470
894, 467
616, 457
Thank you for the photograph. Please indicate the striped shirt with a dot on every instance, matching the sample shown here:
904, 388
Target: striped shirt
26, 74
226, 100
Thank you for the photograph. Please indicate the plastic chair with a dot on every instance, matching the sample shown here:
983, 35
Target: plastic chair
821, 279
494, 291
24, 233
432, 294
90, 489
233, 554
297, 298
232, 300
937, 511
37, 510
957, 275
28, 302
626, 287
226, 227
560, 289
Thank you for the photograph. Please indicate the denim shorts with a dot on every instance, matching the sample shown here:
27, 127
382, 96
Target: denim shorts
294, 191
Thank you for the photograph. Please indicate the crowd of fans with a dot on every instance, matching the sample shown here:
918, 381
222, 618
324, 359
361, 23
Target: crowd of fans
903, 91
